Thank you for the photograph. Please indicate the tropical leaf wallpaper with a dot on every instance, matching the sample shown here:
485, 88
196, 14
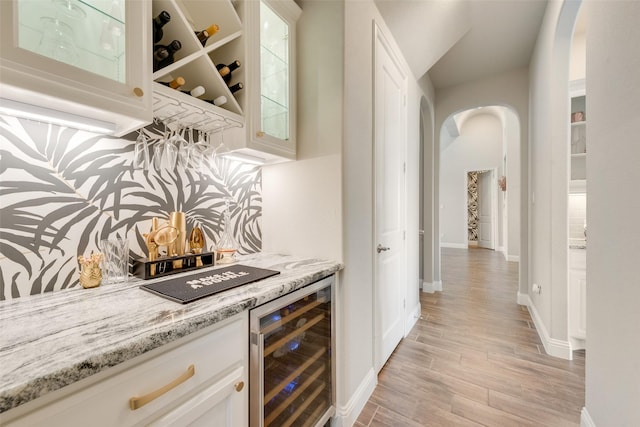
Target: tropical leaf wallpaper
64, 190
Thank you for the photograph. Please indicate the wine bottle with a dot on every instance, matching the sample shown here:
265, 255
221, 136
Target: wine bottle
159, 22
236, 87
175, 83
225, 70
204, 35
159, 53
221, 100
195, 92
171, 48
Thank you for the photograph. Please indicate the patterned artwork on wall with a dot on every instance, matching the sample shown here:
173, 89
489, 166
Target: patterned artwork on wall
63, 190
472, 206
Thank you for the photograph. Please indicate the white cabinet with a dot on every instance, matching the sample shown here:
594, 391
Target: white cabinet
270, 73
83, 61
577, 298
258, 121
199, 380
578, 131
196, 64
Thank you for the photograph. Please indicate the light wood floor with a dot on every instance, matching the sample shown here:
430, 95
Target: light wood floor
475, 359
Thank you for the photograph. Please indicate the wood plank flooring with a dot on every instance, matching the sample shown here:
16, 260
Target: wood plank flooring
475, 359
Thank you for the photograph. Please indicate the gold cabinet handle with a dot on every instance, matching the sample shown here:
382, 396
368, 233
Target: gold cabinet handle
138, 92
259, 134
139, 402
239, 386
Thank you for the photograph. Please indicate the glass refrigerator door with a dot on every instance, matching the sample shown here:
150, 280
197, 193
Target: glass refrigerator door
86, 34
297, 371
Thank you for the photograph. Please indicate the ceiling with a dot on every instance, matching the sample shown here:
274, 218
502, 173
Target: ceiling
458, 41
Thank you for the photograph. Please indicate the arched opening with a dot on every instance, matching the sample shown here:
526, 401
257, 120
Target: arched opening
480, 138
429, 243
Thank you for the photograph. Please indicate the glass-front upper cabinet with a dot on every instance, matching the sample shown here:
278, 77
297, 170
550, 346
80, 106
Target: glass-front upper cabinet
89, 58
272, 89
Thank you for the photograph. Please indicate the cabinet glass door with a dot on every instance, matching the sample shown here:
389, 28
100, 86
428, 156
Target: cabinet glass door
274, 73
87, 34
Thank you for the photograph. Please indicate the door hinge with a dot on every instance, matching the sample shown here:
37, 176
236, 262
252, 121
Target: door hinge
404, 167
404, 234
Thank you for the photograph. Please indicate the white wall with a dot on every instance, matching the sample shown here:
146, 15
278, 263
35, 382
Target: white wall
513, 193
321, 205
613, 166
508, 89
302, 201
549, 175
358, 201
577, 66
479, 147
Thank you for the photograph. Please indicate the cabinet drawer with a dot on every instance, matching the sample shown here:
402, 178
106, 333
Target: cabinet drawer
214, 354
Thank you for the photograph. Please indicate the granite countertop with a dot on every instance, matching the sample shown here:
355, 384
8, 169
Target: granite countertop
52, 340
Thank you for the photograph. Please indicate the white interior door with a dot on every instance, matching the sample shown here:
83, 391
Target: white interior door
390, 148
485, 211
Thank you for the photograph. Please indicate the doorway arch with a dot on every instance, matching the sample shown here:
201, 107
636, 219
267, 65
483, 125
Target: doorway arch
428, 216
498, 128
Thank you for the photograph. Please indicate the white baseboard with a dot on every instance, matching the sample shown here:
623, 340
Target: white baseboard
412, 318
454, 245
523, 299
513, 258
500, 249
553, 347
473, 243
432, 287
347, 415
585, 419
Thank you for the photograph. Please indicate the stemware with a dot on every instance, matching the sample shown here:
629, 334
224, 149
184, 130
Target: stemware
196, 153
182, 146
141, 152
170, 153
219, 154
158, 150
58, 40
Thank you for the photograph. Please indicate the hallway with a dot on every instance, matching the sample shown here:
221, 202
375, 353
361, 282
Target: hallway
474, 358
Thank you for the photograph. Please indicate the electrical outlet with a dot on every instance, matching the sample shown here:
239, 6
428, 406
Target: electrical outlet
536, 289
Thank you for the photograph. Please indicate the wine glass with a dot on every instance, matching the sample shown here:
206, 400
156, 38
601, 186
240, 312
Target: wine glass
58, 40
141, 152
196, 153
170, 152
183, 149
219, 154
158, 150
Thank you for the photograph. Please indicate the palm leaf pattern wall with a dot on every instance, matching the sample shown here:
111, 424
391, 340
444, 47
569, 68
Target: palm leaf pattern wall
64, 190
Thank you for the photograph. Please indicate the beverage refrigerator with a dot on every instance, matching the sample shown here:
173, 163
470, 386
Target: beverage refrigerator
292, 365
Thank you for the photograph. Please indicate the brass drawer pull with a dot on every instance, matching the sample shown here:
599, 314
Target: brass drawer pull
239, 386
139, 402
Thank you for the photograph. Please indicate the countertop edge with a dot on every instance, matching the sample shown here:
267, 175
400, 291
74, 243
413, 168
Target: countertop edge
40, 386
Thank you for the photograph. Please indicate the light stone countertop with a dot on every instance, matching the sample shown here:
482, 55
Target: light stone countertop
51, 340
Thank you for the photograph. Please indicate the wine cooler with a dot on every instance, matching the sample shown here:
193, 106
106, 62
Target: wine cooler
292, 359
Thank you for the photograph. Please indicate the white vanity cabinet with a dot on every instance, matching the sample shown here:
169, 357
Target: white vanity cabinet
198, 380
77, 61
270, 106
